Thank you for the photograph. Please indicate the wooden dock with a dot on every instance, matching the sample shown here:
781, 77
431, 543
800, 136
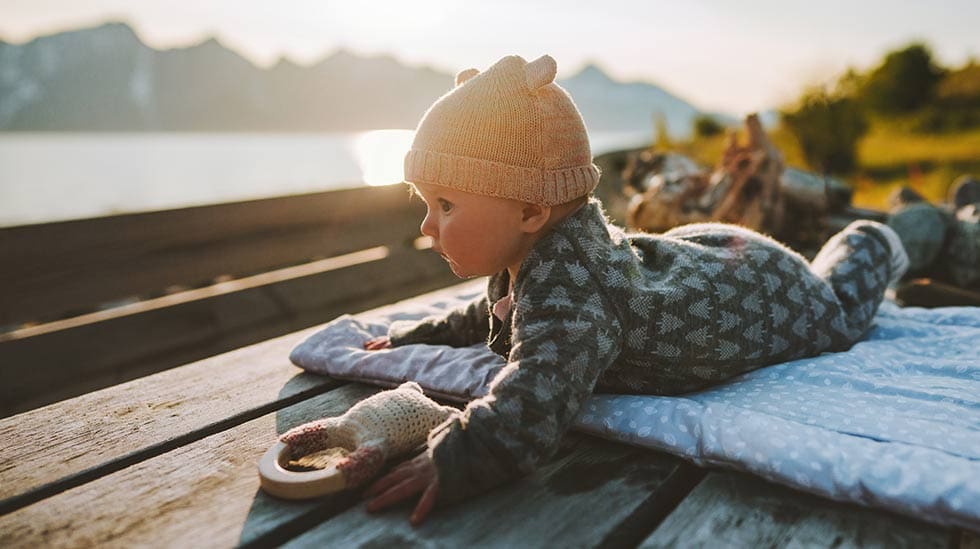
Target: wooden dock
142, 424
95, 302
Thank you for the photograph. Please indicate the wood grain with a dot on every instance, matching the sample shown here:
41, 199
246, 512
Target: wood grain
68, 362
202, 494
74, 441
588, 492
736, 510
112, 427
55, 268
207, 493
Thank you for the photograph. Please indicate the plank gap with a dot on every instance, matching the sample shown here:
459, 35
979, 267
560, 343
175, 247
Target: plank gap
325, 510
649, 514
321, 266
56, 487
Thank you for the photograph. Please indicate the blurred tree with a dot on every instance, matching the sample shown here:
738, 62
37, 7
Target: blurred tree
661, 137
850, 83
904, 82
956, 102
828, 127
960, 87
705, 125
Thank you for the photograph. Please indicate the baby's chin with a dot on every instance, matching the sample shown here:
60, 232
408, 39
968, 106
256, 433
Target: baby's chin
461, 271
454, 267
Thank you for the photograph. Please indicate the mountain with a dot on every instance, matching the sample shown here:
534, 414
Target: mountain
105, 79
610, 105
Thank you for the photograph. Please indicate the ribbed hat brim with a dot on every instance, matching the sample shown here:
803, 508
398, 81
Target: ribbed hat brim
486, 177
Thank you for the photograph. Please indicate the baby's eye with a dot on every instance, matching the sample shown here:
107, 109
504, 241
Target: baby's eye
445, 205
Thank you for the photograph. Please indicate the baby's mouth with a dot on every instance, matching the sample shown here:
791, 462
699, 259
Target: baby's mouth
445, 257
441, 253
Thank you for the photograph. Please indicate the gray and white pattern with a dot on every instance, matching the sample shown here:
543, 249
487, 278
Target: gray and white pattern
598, 309
890, 423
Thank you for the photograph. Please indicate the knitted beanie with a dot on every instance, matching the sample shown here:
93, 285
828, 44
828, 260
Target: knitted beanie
510, 132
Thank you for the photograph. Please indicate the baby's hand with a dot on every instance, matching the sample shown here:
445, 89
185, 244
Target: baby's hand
384, 425
313, 436
361, 465
377, 343
413, 477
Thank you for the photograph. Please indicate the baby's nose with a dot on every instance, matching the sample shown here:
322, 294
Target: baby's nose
428, 227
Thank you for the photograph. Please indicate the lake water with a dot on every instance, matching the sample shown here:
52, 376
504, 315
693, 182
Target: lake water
53, 177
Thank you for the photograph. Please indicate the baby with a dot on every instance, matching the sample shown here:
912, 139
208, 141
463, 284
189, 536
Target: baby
504, 167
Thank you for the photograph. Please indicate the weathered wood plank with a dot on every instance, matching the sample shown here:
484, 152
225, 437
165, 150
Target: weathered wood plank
204, 493
926, 292
593, 493
53, 268
122, 346
966, 540
71, 442
736, 510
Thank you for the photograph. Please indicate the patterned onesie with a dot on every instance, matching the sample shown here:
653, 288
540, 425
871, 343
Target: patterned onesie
597, 309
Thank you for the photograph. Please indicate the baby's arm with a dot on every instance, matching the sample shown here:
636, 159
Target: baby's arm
467, 325
558, 354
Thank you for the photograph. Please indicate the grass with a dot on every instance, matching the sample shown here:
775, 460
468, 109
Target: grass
888, 145
933, 184
890, 157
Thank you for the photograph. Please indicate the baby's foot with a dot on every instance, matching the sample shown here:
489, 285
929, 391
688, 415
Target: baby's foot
899, 260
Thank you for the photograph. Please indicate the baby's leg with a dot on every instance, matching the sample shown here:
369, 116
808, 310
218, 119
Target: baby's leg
858, 264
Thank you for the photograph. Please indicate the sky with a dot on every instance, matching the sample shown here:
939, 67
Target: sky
727, 56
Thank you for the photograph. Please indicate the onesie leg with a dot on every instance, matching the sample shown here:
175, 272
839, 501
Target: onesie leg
858, 263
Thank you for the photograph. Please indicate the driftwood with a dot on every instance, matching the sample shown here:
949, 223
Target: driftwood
750, 186
744, 189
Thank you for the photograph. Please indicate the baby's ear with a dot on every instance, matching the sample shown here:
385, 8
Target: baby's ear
465, 75
534, 217
541, 72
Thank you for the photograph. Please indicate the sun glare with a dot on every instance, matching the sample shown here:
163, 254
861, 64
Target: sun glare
381, 155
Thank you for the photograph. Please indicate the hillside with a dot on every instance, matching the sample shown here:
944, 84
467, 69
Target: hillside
106, 79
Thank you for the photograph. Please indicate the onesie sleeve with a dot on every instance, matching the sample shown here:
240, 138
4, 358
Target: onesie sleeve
467, 325
564, 337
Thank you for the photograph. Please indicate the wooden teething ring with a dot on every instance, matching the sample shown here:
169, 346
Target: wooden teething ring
278, 481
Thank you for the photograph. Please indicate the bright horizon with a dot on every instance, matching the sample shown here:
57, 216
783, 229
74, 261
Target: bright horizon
721, 57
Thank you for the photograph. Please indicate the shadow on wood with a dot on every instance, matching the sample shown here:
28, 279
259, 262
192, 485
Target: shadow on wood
269, 251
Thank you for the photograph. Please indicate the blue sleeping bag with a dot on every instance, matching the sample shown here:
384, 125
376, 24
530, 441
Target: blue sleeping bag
893, 423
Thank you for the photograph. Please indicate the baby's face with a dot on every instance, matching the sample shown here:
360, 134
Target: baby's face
477, 235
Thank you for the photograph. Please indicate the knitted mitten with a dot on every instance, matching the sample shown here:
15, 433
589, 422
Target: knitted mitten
377, 428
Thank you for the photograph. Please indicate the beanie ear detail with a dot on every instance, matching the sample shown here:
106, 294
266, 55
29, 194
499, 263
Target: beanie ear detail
509, 132
541, 72
464, 75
